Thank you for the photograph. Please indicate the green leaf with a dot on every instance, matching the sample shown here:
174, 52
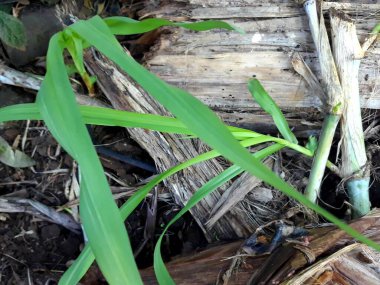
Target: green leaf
20, 112
127, 26
75, 47
376, 29
267, 103
100, 216
110, 117
13, 158
12, 31
312, 144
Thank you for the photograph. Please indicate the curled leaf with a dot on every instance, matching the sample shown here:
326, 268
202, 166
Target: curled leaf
267, 103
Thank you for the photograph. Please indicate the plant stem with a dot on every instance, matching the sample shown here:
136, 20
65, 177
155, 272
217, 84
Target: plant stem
359, 196
333, 100
322, 153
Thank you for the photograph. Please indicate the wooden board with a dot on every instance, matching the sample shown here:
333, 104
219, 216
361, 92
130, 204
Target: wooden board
210, 266
216, 65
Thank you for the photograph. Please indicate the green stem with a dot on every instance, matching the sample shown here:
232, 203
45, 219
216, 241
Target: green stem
359, 196
320, 159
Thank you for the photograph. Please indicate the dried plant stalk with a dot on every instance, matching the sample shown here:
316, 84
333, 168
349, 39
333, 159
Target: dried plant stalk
332, 101
347, 54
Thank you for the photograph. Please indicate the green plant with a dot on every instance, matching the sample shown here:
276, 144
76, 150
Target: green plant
12, 30
102, 221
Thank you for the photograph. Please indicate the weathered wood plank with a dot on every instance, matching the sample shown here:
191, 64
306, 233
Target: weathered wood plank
264, 10
211, 264
356, 7
354, 264
215, 66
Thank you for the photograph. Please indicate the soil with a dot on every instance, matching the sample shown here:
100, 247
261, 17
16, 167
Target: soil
31, 248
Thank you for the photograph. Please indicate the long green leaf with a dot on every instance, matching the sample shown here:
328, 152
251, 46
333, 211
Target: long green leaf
267, 103
20, 112
127, 26
110, 117
12, 31
100, 216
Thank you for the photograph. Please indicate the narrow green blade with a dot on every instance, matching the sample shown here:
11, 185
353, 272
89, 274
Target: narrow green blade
100, 216
267, 103
20, 112
127, 26
110, 117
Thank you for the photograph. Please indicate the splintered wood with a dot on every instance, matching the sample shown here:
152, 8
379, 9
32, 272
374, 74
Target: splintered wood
352, 264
